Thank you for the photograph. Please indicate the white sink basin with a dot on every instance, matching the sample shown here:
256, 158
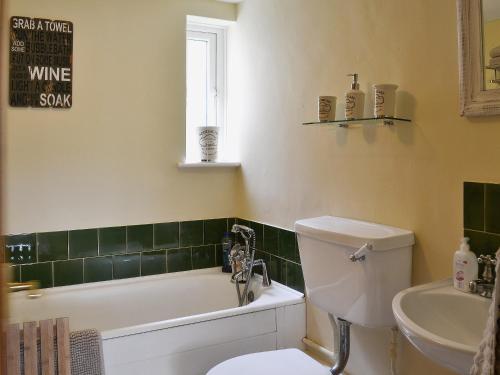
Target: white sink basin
443, 323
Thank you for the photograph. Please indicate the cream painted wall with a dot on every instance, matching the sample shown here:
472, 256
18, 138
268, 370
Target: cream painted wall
285, 54
111, 159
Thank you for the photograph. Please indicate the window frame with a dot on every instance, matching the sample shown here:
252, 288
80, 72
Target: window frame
218, 54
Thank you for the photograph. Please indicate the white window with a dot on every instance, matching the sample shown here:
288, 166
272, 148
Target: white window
205, 85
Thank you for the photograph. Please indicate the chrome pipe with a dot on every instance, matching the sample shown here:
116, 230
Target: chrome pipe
344, 343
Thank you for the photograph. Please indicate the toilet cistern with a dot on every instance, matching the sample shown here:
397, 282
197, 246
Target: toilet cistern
352, 270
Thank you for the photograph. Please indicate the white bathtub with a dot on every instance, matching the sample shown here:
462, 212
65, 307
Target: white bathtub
172, 324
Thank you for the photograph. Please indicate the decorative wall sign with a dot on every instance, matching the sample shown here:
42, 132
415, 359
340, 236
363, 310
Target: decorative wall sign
41, 63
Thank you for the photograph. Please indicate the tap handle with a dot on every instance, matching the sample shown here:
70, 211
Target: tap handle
487, 260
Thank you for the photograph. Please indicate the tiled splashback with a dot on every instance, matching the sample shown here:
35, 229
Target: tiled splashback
482, 216
278, 247
90, 255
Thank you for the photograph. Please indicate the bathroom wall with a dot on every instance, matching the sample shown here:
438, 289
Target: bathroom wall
285, 54
111, 159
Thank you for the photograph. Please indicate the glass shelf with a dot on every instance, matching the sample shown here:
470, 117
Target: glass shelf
371, 120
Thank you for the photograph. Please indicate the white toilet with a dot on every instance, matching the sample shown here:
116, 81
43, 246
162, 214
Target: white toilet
352, 270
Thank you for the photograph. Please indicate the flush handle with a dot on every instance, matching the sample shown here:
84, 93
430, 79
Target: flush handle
360, 255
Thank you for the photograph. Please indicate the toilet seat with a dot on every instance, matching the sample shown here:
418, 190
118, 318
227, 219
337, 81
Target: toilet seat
286, 361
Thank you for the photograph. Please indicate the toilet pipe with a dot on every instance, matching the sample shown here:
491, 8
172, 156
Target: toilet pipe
332, 356
344, 344
336, 343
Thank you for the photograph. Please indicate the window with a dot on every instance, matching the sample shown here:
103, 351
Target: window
205, 85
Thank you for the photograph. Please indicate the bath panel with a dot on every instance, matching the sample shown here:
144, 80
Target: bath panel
178, 323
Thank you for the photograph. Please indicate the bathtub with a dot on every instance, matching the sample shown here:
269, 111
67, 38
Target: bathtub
173, 324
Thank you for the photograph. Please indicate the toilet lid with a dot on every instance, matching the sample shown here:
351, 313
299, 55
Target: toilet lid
286, 361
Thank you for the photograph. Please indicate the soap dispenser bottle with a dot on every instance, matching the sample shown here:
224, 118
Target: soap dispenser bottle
465, 266
354, 100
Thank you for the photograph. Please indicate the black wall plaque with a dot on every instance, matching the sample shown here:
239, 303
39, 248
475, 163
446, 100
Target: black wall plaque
41, 63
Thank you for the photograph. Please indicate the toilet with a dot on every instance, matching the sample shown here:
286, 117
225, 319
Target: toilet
352, 270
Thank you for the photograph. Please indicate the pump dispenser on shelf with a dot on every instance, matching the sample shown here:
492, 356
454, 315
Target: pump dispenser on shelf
465, 266
354, 100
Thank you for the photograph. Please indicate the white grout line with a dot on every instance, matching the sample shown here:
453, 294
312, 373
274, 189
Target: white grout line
98, 241
126, 239
36, 246
154, 236
52, 269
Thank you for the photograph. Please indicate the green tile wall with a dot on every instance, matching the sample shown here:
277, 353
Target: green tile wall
91, 255
139, 238
279, 248
482, 216
100, 254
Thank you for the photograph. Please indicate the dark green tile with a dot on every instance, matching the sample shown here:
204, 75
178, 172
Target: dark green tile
237, 237
139, 238
287, 247
473, 206
261, 255
20, 248
214, 230
68, 272
112, 240
179, 260
41, 272
297, 248
218, 255
191, 233
98, 269
259, 234
244, 222
203, 256
52, 246
15, 274
277, 269
271, 239
166, 235
82, 243
483, 243
153, 262
294, 277
492, 208
230, 222
125, 266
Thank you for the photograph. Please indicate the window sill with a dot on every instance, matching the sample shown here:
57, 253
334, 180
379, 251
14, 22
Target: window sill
219, 164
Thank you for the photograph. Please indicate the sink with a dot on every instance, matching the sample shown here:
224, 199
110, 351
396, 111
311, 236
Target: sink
443, 323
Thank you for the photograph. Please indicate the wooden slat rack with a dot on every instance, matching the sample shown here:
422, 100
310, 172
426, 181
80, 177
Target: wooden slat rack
29, 336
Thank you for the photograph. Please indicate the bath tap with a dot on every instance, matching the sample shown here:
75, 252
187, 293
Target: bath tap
31, 286
484, 287
243, 261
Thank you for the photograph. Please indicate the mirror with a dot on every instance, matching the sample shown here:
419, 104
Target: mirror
479, 57
491, 43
